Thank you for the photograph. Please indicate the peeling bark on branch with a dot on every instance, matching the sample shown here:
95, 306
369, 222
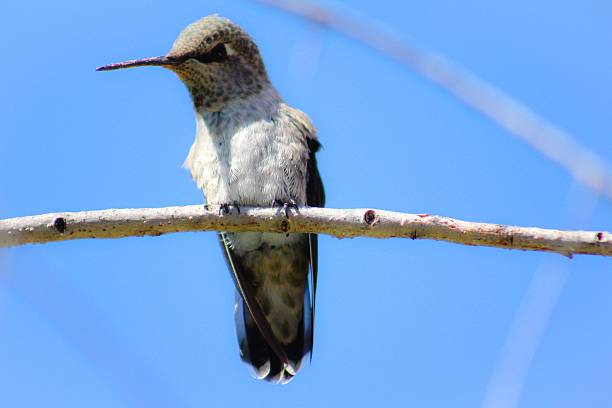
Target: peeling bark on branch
337, 222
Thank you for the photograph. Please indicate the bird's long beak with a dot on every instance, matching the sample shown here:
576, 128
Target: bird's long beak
154, 61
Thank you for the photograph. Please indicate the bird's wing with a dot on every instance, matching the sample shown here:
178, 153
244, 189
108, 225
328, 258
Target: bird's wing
315, 197
246, 292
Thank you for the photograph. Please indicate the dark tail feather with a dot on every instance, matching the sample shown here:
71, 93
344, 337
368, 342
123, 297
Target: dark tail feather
258, 355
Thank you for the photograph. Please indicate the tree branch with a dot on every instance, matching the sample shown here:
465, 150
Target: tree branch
542, 135
337, 222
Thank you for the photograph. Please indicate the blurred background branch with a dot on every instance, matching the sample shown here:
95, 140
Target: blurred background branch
337, 222
550, 140
533, 315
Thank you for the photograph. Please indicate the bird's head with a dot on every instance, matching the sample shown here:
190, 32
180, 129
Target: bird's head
215, 58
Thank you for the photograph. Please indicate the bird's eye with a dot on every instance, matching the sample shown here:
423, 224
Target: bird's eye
217, 54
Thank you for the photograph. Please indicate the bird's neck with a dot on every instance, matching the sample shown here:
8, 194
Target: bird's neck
240, 112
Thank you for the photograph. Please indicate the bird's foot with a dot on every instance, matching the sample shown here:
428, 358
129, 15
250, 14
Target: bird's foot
226, 208
286, 206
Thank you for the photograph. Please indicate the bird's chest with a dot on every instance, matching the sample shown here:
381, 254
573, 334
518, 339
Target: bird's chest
242, 165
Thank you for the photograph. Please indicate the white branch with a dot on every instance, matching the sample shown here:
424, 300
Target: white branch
336, 222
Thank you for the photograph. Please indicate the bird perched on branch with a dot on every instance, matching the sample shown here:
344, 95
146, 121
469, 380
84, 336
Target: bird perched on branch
252, 149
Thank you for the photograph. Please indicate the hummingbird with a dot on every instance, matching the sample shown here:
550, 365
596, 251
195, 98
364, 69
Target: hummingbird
252, 149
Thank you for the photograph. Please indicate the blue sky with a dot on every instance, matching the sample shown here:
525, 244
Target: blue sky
148, 321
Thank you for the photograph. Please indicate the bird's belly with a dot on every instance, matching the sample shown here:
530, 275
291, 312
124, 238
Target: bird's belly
252, 166
250, 183
257, 188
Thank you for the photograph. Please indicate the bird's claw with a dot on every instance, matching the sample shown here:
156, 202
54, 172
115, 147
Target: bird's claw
285, 205
226, 208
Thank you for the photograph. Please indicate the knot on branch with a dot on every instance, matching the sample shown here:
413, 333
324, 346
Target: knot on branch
284, 225
59, 224
370, 218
